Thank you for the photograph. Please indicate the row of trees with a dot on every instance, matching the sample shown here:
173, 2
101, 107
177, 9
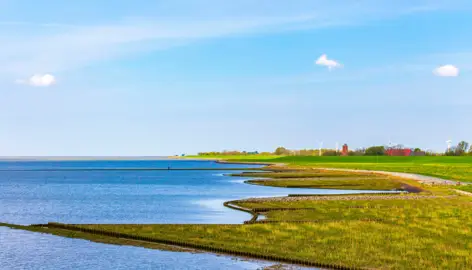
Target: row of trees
461, 149
371, 151
232, 153
282, 151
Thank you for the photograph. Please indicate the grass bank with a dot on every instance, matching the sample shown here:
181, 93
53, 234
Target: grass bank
323, 179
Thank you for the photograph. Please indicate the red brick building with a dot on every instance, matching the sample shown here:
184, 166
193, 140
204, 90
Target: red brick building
398, 152
345, 151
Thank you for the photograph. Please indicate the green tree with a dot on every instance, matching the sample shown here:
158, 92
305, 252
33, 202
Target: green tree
451, 152
461, 148
375, 151
281, 151
330, 153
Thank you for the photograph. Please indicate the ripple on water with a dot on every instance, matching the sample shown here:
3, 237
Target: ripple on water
28, 250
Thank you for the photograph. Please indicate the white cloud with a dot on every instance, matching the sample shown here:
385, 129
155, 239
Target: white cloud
446, 71
324, 61
39, 80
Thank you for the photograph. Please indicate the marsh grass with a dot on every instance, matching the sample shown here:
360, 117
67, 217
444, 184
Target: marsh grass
304, 174
388, 210
327, 179
352, 183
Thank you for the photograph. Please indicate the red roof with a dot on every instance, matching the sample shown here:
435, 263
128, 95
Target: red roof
398, 152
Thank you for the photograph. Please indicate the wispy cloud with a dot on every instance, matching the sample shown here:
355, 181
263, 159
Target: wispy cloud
57, 44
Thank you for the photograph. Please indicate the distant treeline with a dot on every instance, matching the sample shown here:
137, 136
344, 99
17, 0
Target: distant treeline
233, 153
461, 149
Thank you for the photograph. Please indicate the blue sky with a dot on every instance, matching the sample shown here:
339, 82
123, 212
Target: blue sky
169, 77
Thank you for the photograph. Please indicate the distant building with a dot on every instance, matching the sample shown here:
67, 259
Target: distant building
345, 151
399, 152
418, 153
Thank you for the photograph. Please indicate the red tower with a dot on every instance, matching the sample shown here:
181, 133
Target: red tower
345, 151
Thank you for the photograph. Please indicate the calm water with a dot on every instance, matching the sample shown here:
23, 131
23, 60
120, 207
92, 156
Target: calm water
26, 250
117, 197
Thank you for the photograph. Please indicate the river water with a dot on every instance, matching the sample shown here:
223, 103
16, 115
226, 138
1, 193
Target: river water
76, 192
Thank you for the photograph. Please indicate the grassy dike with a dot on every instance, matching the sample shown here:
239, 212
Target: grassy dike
430, 229
328, 180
